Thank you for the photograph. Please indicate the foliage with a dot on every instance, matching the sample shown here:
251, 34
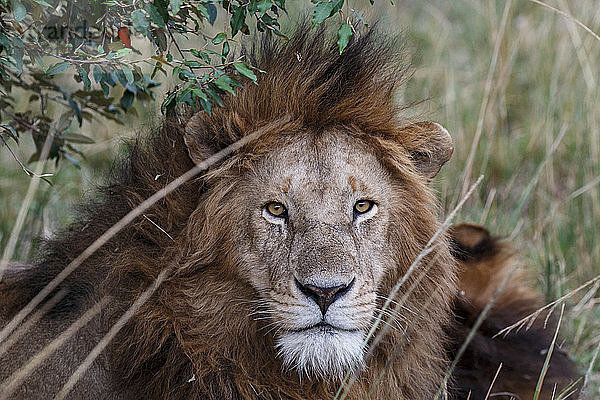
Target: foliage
42, 40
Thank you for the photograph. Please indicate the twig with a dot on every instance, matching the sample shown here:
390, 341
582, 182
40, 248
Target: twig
487, 396
200, 85
96, 60
23, 167
159, 228
569, 17
535, 314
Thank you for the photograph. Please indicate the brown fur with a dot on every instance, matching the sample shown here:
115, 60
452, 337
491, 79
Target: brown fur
485, 263
194, 338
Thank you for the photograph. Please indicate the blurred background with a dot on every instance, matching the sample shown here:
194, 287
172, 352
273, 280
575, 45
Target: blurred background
517, 86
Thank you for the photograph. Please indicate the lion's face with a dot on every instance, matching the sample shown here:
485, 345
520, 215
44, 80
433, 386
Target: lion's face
316, 248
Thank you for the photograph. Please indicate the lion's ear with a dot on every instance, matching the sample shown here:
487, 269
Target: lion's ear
430, 146
472, 242
470, 235
200, 145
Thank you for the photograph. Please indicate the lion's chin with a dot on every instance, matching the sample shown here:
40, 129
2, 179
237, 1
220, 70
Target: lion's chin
322, 351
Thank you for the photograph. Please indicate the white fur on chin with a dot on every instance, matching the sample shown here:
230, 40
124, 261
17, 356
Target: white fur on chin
322, 352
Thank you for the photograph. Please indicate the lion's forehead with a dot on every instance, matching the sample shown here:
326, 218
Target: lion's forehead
333, 168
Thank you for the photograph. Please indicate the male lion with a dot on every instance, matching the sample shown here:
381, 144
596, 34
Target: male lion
273, 263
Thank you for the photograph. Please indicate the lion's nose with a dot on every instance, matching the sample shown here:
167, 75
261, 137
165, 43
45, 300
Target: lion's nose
324, 296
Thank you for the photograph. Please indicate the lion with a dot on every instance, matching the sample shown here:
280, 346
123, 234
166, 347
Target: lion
273, 263
485, 263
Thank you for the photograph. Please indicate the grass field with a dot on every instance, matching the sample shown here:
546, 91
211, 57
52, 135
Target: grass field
517, 85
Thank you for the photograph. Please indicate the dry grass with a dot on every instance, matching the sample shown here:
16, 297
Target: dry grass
542, 193
516, 84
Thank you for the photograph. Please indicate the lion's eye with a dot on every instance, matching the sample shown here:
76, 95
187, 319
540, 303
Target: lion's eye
362, 206
276, 209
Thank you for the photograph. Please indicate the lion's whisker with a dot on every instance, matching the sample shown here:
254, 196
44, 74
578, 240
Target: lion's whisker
257, 312
397, 304
401, 323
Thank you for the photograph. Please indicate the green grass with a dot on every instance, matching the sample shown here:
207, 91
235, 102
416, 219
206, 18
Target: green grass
545, 82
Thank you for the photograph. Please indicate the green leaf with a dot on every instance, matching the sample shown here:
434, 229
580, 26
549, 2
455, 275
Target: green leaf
42, 3
84, 77
12, 132
197, 92
123, 52
214, 95
244, 70
97, 73
186, 75
140, 21
184, 95
119, 75
219, 38
263, 6
18, 51
193, 64
57, 68
322, 12
5, 41
225, 83
175, 6
168, 103
8, 62
19, 10
73, 104
77, 138
128, 73
337, 6
206, 105
200, 54
162, 8
344, 34
155, 16
127, 100
238, 17
212, 13
105, 89
225, 49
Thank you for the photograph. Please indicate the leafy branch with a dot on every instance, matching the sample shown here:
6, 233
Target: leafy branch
100, 42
